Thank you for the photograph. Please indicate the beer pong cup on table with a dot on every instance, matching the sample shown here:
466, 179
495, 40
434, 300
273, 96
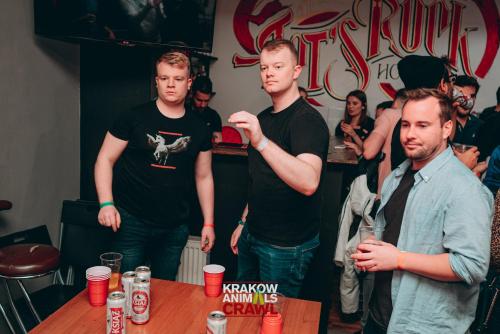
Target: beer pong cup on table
113, 261
277, 304
271, 324
213, 275
98, 284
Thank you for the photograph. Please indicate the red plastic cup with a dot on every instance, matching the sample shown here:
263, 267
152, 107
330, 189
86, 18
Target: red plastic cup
272, 323
98, 291
98, 284
213, 275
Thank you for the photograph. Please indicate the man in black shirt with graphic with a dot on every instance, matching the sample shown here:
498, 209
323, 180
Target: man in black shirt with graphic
201, 94
162, 152
278, 232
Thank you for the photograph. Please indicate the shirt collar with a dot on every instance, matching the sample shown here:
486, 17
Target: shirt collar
430, 169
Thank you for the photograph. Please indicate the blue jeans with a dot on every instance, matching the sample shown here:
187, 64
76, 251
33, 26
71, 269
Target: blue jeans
287, 266
143, 244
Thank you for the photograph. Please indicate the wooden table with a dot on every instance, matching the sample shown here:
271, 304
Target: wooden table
176, 308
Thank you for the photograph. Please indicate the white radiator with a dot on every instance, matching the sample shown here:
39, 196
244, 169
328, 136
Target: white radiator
192, 262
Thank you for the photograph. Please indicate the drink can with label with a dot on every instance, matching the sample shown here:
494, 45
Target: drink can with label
216, 322
143, 272
127, 283
115, 313
141, 300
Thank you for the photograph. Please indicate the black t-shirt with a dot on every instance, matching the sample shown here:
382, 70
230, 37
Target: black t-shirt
487, 137
381, 302
211, 118
468, 134
278, 214
487, 113
154, 177
364, 130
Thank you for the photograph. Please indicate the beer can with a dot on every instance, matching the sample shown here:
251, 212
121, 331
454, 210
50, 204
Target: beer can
216, 323
127, 282
141, 300
143, 272
115, 313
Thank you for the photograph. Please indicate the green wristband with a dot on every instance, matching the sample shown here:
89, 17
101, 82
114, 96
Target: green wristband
103, 204
241, 222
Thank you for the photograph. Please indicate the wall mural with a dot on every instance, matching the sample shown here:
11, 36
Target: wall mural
346, 45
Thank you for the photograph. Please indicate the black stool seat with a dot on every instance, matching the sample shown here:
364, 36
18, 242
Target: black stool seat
28, 260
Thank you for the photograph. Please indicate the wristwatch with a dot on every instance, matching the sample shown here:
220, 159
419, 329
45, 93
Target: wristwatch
241, 222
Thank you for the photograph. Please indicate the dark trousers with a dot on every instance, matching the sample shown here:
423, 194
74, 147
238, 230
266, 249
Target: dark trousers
287, 266
371, 327
143, 244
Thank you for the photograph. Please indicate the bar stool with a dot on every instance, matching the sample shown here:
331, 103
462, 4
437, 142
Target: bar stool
26, 261
6, 205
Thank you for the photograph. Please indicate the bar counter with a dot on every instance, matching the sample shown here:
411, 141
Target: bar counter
336, 154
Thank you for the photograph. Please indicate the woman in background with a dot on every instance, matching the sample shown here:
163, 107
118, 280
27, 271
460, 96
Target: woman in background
356, 125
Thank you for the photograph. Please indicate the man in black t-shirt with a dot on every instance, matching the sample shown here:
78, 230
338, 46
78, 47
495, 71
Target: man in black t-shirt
162, 153
278, 232
201, 94
468, 125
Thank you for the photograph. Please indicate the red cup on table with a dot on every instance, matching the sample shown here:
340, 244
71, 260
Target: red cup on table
98, 284
272, 323
213, 275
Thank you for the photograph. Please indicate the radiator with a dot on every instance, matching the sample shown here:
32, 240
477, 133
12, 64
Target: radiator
192, 262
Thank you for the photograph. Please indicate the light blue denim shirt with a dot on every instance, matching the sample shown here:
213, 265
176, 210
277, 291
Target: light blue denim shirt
448, 211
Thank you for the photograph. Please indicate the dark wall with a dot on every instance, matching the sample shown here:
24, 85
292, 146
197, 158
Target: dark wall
113, 79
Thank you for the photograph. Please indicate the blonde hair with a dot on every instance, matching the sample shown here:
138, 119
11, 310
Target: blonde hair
177, 59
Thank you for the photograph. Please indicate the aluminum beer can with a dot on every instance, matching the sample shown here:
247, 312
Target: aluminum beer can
115, 313
127, 282
216, 323
143, 272
141, 300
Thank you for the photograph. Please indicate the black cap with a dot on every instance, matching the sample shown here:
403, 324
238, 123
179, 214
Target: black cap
421, 71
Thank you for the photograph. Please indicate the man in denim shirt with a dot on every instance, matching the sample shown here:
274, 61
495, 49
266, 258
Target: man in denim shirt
436, 219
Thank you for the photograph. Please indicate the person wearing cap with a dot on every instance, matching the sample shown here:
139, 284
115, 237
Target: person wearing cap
433, 225
431, 72
420, 72
201, 94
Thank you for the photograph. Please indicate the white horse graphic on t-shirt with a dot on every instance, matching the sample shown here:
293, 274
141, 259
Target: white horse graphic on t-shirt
163, 150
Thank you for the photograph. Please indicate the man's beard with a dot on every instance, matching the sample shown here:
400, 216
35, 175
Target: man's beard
421, 153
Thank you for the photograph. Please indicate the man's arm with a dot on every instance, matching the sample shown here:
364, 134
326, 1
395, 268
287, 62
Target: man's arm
381, 256
466, 237
217, 136
111, 150
375, 141
237, 231
302, 173
205, 189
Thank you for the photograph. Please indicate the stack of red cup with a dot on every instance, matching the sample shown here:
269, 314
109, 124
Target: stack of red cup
213, 275
272, 323
97, 284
